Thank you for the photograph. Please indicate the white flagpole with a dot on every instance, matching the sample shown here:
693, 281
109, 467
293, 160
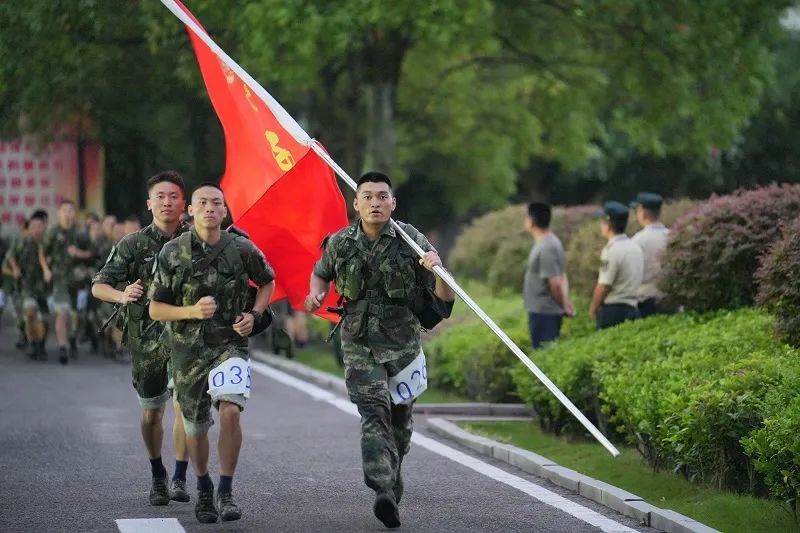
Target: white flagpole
302, 137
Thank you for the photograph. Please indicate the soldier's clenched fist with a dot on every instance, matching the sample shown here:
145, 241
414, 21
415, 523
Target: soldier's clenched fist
205, 308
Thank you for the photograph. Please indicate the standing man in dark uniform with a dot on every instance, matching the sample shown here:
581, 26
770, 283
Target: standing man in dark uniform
200, 289
615, 296
131, 264
381, 279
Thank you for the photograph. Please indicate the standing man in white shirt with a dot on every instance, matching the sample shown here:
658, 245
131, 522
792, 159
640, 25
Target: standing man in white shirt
615, 298
652, 239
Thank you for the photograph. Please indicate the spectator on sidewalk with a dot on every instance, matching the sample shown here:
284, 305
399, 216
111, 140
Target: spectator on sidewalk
652, 239
545, 286
615, 298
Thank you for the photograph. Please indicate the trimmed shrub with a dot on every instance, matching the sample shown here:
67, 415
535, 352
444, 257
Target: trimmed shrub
778, 279
467, 358
684, 389
495, 246
583, 250
714, 251
774, 447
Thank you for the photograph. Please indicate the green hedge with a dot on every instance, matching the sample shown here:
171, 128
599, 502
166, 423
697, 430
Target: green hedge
465, 357
494, 247
778, 286
684, 389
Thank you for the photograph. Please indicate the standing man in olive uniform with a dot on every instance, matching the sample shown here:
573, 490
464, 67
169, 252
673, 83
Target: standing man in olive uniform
615, 296
381, 277
64, 247
131, 263
200, 289
652, 239
23, 261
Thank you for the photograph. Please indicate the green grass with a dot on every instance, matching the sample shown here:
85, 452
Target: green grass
725, 511
322, 358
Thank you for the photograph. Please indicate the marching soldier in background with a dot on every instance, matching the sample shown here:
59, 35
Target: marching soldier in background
200, 289
23, 263
131, 263
381, 279
63, 249
615, 296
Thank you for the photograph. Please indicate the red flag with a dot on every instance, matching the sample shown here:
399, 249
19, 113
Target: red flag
277, 188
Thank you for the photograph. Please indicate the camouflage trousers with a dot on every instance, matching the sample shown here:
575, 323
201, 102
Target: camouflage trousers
151, 371
191, 372
385, 428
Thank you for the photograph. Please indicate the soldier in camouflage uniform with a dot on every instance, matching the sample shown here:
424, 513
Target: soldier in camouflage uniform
24, 262
200, 289
64, 247
130, 266
10, 287
380, 277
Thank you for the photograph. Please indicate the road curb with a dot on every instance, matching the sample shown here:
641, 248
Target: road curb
332, 383
601, 492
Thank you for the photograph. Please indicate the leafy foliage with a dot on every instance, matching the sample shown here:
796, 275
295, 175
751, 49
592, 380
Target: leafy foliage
495, 246
714, 251
779, 288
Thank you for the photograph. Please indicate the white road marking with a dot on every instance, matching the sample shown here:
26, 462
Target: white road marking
149, 525
540, 493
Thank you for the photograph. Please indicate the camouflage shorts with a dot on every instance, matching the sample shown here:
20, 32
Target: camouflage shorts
151, 374
191, 386
64, 298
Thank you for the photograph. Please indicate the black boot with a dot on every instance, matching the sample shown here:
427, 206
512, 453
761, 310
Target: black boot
385, 510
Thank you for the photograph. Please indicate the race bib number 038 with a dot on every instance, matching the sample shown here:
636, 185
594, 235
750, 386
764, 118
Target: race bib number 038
230, 377
412, 381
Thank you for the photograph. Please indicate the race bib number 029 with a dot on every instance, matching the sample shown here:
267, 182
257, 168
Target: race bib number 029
412, 381
230, 377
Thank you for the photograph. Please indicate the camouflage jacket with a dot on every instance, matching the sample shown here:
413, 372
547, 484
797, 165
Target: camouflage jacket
133, 258
25, 252
381, 281
178, 282
66, 270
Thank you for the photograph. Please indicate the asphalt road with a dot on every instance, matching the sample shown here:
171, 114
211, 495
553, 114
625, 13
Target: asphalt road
71, 459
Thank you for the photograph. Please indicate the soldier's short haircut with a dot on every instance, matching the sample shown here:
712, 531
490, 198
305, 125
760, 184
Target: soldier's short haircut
540, 213
653, 214
208, 184
374, 177
618, 224
170, 176
91, 215
133, 218
40, 214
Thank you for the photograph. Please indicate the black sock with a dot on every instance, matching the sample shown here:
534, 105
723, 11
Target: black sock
180, 470
225, 484
157, 467
204, 483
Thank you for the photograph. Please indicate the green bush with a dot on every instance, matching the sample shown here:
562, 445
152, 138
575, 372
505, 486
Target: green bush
775, 447
467, 358
470, 360
714, 251
684, 389
583, 250
779, 287
495, 246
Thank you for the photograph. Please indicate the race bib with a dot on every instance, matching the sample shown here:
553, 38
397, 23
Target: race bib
82, 300
230, 377
410, 382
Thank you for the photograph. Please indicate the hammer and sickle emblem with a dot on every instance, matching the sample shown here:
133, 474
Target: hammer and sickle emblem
247, 95
230, 77
282, 156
